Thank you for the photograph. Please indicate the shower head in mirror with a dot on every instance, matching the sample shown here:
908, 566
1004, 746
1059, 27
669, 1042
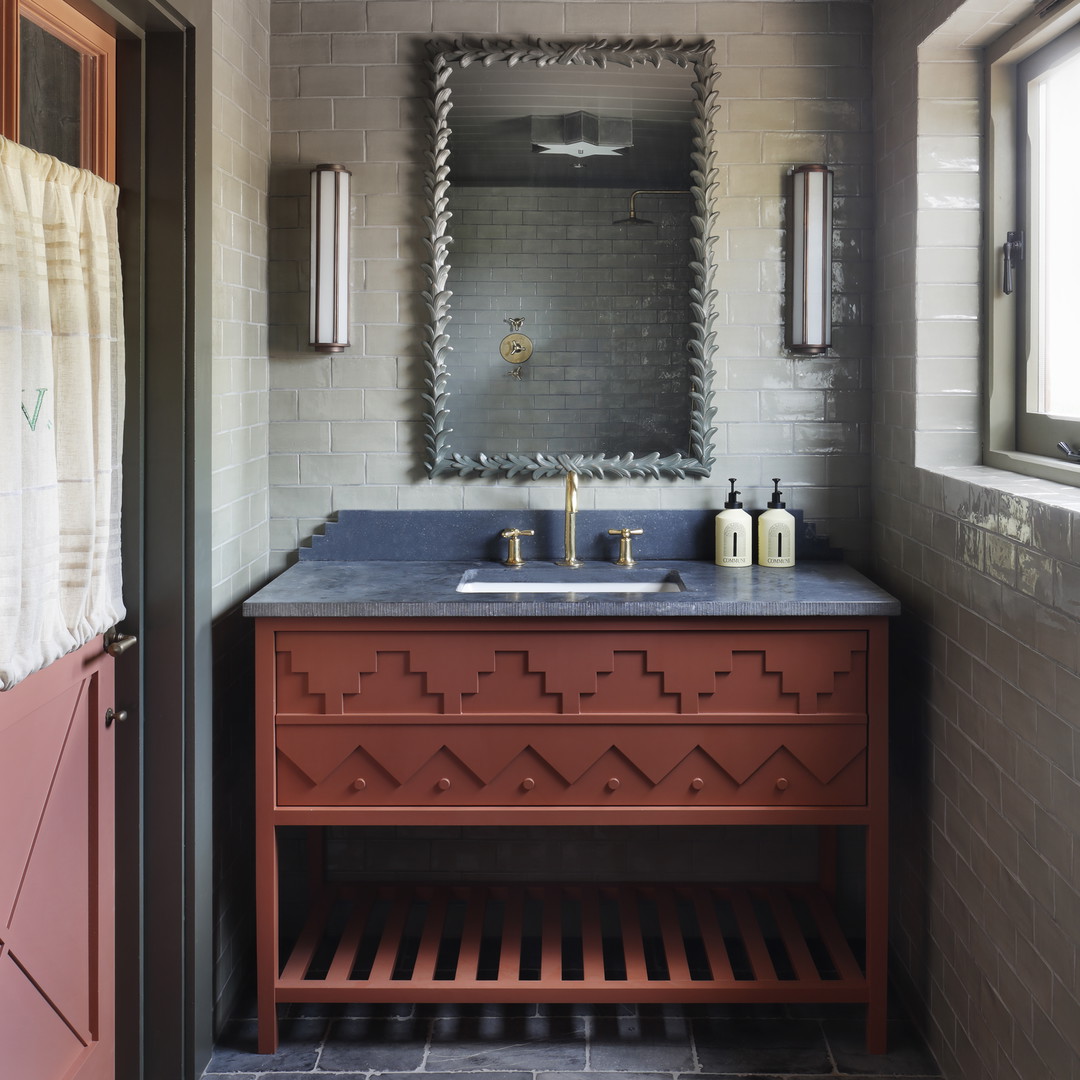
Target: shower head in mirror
633, 218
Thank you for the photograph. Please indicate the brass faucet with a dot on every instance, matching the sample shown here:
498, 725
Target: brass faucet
570, 524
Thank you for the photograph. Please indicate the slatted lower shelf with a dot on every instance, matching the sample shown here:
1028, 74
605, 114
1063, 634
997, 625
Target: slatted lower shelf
565, 943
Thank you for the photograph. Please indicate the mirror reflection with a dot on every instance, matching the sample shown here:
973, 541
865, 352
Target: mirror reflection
570, 230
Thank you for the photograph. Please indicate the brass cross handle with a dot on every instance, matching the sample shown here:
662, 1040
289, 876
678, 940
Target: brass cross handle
513, 545
626, 556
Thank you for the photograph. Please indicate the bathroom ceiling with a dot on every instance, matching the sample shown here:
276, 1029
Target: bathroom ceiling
492, 125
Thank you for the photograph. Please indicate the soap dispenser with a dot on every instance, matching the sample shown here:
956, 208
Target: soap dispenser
733, 532
776, 532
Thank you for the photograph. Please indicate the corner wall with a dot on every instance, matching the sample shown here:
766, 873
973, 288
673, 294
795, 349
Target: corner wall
986, 741
240, 528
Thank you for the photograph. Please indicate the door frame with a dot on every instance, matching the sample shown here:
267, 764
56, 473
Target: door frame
164, 792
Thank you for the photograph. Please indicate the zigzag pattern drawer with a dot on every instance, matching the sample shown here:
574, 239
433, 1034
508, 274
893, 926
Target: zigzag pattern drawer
566, 718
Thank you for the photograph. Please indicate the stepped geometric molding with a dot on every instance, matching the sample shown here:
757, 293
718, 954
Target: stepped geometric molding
571, 717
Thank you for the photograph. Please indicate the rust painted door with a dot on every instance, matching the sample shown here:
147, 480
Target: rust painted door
56, 872
57, 880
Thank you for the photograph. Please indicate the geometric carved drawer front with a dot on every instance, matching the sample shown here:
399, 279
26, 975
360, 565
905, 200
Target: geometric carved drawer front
555, 763
506, 674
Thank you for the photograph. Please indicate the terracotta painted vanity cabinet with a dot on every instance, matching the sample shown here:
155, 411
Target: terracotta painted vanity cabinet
563, 722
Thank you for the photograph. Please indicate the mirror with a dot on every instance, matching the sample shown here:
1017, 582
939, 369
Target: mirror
570, 276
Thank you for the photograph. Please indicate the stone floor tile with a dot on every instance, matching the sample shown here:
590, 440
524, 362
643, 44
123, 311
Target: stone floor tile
298, 1047
490, 1042
640, 1043
606, 1076
362, 1044
906, 1054
761, 1046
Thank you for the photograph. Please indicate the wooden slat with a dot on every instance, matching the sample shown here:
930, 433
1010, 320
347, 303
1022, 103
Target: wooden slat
345, 953
472, 935
304, 950
750, 932
551, 941
833, 937
592, 938
630, 923
510, 951
794, 941
712, 937
401, 901
431, 938
671, 931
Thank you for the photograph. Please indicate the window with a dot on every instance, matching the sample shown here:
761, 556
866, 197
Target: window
1034, 239
58, 90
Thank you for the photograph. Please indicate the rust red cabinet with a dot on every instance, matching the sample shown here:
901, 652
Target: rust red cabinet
573, 721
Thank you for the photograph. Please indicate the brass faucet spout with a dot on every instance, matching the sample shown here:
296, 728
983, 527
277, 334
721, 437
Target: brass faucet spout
570, 558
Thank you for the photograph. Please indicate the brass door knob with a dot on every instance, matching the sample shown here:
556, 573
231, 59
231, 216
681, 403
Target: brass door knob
782, 784
444, 784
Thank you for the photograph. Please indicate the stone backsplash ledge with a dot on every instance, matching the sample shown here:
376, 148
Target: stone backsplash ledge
463, 535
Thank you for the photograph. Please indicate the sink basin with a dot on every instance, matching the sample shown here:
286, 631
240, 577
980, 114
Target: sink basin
558, 579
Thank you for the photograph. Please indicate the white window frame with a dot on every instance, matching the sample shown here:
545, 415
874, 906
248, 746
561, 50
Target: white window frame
1021, 443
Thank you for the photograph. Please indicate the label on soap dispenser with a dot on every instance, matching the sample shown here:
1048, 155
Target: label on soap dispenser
733, 532
779, 545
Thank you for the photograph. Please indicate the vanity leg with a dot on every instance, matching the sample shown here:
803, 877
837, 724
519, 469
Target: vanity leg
266, 936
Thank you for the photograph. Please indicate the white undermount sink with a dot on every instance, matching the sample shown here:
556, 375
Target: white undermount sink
558, 579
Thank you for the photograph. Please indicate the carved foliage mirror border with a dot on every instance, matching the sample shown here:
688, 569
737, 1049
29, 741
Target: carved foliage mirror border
440, 455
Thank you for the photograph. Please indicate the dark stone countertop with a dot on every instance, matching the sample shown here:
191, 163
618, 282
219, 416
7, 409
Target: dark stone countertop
403, 589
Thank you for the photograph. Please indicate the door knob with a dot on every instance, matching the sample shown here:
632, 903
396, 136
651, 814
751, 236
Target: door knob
614, 784
115, 714
116, 644
443, 784
782, 784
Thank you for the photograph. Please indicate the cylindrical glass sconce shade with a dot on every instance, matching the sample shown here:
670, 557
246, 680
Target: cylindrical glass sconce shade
330, 258
810, 285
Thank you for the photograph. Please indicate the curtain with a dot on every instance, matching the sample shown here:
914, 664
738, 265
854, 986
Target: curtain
62, 396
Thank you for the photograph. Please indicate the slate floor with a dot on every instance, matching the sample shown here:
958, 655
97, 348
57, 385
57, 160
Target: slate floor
550, 1042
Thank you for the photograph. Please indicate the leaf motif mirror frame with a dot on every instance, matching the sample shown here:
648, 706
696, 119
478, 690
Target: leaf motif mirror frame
440, 456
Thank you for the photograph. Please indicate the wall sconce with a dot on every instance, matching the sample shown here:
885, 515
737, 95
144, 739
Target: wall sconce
330, 258
810, 285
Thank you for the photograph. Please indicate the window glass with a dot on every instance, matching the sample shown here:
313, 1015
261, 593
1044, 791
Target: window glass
1054, 229
50, 94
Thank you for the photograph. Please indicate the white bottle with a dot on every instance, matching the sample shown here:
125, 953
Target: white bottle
776, 532
734, 529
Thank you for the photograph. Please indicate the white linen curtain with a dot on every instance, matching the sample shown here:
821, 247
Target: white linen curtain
62, 396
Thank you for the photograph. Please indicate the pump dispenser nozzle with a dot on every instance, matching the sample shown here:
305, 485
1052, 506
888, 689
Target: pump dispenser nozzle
732, 503
774, 503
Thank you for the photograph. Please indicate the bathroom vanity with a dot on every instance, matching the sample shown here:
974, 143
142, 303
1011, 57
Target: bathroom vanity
388, 694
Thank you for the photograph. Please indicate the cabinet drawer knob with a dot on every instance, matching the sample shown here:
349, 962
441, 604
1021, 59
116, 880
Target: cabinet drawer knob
444, 784
614, 784
528, 783
359, 783
697, 783
782, 784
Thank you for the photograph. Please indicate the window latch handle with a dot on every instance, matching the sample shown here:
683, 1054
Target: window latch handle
1013, 251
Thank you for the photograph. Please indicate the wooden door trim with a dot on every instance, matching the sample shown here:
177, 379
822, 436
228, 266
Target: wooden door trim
96, 44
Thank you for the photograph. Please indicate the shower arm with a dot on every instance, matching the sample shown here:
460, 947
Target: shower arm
651, 191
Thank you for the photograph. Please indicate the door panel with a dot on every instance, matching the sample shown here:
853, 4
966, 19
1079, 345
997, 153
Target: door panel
56, 871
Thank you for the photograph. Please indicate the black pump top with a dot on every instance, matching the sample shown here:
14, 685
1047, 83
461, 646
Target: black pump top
775, 503
732, 503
